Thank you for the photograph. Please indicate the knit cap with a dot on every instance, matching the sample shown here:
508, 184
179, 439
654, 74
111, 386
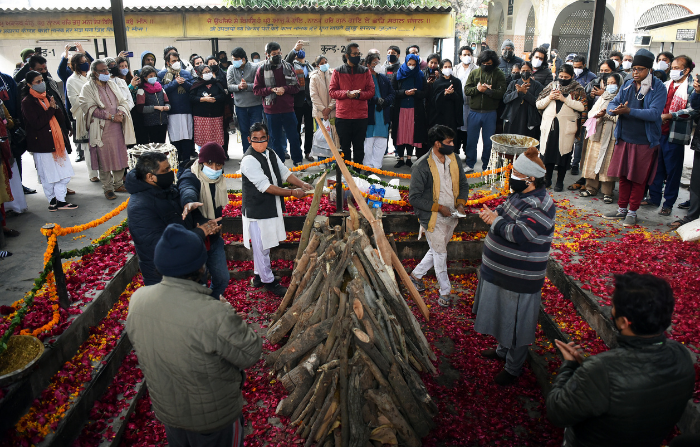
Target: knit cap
529, 163
212, 153
26, 52
507, 43
643, 58
179, 251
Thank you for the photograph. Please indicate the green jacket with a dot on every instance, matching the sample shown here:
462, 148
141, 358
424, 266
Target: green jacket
491, 98
193, 350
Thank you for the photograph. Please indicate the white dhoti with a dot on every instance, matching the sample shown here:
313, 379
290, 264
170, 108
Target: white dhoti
19, 205
374, 151
54, 175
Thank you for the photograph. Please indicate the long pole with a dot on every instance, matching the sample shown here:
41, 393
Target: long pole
119, 25
596, 35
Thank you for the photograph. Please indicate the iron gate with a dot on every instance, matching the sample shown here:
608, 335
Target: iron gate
575, 33
610, 43
530, 30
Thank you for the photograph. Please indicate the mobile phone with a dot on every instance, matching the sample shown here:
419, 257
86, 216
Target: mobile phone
305, 42
130, 54
697, 76
73, 48
137, 73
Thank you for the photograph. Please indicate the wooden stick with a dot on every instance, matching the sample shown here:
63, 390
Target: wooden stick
405, 432
311, 216
382, 242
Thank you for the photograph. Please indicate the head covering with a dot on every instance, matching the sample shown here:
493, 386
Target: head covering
212, 153
179, 251
571, 56
148, 53
25, 52
529, 163
545, 46
404, 72
301, 54
110, 60
507, 43
643, 58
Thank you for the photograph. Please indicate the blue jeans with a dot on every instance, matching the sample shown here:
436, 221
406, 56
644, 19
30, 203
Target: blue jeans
484, 123
247, 116
216, 263
670, 168
280, 124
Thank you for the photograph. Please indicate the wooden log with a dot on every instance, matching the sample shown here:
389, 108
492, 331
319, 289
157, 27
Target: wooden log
324, 409
359, 433
382, 243
278, 330
417, 387
313, 243
296, 376
299, 270
343, 381
304, 342
311, 216
354, 215
288, 404
304, 425
378, 376
309, 394
330, 417
362, 340
329, 366
404, 430
330, 340
420, 422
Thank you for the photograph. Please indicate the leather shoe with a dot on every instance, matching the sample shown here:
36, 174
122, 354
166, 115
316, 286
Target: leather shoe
504, 378
109, 195
80, 158
28, 190
492, 355
121, 189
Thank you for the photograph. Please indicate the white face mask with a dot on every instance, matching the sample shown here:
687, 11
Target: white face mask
411, 67
536, 63
466, 60
176, 65
447, 71
578, 71
379, 69
676, 75
626, 65
617, 64
662, 65
207, 76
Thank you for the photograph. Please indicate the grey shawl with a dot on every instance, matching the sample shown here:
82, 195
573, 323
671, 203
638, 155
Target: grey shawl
269, 73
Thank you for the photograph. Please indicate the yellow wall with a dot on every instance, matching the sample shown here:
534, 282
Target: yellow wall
668, 33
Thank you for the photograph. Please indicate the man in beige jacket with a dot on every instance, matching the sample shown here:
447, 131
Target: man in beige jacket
192, 347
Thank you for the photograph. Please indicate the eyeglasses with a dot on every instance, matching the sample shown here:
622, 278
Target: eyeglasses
638, 70
259, 141
104, 70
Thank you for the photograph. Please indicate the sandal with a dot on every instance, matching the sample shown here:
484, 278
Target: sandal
444, 302
575, 186
4, 254
677, 224
665, 211
587, 193
608, 199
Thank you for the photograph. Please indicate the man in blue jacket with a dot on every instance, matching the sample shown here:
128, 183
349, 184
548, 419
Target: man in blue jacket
176, 82
639, 105
154, 204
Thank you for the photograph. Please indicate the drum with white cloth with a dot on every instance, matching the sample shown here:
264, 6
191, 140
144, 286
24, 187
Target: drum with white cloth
169, 150
504, 150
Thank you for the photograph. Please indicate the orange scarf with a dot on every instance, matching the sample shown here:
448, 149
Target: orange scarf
56, 131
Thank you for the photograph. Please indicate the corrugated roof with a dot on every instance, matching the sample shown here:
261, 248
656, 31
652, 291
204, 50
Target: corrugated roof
342, 9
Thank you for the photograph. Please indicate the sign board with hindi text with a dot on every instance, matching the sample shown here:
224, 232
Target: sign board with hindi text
685, 35
679, 32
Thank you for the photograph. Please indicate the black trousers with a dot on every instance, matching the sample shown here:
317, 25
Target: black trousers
351, 134
156, 134
185, 149
305, 112
461, 141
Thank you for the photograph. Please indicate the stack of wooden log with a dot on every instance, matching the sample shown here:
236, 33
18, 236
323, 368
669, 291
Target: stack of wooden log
354, 348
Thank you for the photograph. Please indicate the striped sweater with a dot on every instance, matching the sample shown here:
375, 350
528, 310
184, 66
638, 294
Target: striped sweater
517, 246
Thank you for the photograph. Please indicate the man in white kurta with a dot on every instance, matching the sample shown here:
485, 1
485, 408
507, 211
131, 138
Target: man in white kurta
262, 204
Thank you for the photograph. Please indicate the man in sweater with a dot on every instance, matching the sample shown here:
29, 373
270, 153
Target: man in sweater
435, 212
240, 78
193, 348
276, 84
485, 88
263, 173
635, 393
351, 87
513, 265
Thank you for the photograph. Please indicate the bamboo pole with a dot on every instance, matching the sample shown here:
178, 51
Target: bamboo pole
382, 242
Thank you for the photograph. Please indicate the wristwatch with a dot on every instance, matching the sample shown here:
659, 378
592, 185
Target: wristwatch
112, 118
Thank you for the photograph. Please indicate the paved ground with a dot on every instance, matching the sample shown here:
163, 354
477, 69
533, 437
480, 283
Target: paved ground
18, 271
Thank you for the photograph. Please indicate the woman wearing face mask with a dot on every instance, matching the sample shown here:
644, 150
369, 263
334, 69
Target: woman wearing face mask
48, 140
109, 126
379, 109
521, 116
408, 113
219, 74
203, 193
323, 106
467, 63
514, 263
80, 66
563, 102
207, 98
117, 77
446, 99
601, 144
153, 105
177, 81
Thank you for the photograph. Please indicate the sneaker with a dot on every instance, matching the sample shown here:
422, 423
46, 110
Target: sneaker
614, 215
4, 254
684, 206
27, 190
66, 206
121, 189
109, 195
309, 157
574, 170
630, 220
276, 288
492, 355
468, 169
558, 187
504, 378
286, 156
409, 163
400, 163
420, 285
256, 282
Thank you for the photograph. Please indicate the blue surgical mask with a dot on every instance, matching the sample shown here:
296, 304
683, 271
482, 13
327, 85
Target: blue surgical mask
612, 88
124, 71
211, 173
152, 80
237, 63
104, 77
325, 67
256, 60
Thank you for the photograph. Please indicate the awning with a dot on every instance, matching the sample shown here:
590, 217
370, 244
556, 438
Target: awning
684, 29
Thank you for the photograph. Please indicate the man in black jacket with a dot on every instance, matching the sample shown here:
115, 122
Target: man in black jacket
632, 395
508, 59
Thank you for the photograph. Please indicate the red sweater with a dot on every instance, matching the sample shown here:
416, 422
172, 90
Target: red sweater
344, 79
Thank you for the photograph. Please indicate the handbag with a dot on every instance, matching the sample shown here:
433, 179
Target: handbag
76, 139
320, 147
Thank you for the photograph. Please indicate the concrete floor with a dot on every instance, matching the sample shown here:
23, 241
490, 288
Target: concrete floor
18, 271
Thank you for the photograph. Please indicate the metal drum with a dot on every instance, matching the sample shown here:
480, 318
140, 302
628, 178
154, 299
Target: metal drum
511, 144
169, 150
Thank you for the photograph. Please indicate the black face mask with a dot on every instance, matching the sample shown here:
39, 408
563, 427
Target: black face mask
114, 71
355, 60
445, 149
488, 68
214, 68
165, 181
525, 75
223, 60
515, 75
604, 76
518, 185
276, 59
508, 54
392, 58
565, 82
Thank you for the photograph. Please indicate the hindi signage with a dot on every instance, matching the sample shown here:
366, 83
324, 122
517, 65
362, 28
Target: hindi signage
685, 35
